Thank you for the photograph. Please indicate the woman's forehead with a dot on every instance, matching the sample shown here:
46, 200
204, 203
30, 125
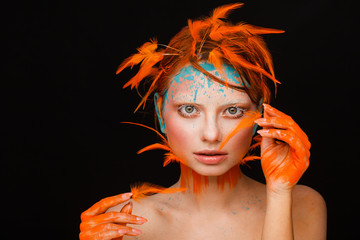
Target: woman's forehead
188, 72
191, 85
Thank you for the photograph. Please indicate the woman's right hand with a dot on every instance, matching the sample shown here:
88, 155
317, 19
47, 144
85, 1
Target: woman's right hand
98, 225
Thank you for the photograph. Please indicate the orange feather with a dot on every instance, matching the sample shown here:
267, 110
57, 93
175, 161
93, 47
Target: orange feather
148, 57
154, 146
233, 57
247, 121
143, 100
255, 30
142, 190
250, 158
169, 156
219, 32
224, 11
146, 69
194, 28
146, 50
215, 57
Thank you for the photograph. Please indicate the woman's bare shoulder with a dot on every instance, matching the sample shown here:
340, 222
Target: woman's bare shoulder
309, 213
306, 197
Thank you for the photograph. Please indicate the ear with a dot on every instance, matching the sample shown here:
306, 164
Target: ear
260, 108
158, 102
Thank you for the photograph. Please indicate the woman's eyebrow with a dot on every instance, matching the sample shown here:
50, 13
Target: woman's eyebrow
230, 103
235, 102
186, 102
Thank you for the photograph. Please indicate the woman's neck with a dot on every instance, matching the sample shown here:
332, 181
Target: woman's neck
205, 192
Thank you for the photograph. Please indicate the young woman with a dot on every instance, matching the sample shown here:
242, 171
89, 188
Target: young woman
210, 88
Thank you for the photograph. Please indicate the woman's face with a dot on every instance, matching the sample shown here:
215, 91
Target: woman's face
199, 113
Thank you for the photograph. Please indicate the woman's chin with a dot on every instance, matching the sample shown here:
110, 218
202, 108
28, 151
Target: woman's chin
211, 170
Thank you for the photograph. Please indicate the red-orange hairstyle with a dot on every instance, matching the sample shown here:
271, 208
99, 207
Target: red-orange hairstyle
211, 39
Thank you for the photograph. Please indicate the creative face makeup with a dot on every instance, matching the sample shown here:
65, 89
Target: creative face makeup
198, 113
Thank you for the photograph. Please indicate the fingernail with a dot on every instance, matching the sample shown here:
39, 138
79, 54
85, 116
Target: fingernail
267, 106
262, 131
141, 219
137, 231
127, 195
260, 120
122, 231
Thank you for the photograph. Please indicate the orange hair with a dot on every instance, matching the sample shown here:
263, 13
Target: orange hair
209, 39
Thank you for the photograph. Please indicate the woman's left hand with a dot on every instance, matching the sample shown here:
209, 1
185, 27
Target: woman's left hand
283, 162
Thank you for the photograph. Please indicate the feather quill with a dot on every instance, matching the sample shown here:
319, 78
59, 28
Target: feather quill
142, 190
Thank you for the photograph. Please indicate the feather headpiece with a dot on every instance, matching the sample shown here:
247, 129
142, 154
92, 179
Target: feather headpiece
210, 39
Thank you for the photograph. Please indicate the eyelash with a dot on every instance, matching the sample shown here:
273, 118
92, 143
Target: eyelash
239, 114
182, 112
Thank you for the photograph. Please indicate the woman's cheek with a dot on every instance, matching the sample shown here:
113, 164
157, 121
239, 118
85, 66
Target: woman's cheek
240, 143
180, 134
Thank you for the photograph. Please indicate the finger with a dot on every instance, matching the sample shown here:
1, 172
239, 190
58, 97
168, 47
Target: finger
273, 112
105, 204
127, 208
102, 228
108, 227
265, 141
108, 235
290, 138
114, 217
284, 123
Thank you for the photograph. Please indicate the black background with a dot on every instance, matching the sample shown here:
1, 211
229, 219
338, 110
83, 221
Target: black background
65, 148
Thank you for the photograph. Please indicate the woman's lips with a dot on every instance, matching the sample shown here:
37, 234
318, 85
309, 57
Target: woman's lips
210, 156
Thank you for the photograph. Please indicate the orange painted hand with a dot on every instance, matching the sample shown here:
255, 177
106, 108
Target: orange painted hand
98, 225
283, 162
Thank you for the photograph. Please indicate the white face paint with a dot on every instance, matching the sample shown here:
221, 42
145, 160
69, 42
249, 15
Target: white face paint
198, 114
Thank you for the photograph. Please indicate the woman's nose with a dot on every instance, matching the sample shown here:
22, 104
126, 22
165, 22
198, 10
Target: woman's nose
211, 130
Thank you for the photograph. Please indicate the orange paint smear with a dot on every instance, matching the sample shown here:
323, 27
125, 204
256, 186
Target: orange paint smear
189, 176
199, 182
142, 190
289, 171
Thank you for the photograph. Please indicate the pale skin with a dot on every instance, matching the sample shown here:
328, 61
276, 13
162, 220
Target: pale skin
279, 209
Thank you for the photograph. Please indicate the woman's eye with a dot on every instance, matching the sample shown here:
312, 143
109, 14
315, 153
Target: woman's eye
234, 112
187, 110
